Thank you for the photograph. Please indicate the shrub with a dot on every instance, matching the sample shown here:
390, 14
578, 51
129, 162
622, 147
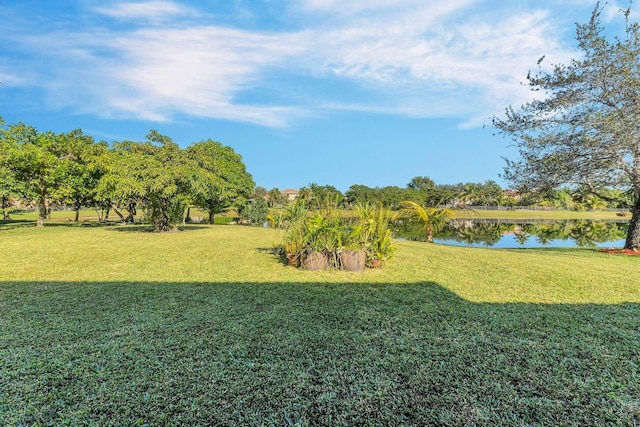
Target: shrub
328, 234
255, 212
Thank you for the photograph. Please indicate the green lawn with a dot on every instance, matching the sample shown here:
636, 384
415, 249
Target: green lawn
115, 326
91, 215
537, 215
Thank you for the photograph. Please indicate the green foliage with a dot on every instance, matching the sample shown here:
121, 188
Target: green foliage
330, 234
156, 172
224, 220
164, 214
275, 197
424, 191
43, 166
9, 188
221, 178
255, 212
81, 170
585, 130
431, 219
320, 196
375, 222
421, 183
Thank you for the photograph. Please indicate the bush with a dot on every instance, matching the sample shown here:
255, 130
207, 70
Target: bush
329, 234
255, 212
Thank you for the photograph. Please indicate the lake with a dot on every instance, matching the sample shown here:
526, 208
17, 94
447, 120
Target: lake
514, 234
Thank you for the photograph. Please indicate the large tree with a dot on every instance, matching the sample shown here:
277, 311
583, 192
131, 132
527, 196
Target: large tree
8, 188
220, 180
81, 171
38, 161
156, 173
584, 127
8, 184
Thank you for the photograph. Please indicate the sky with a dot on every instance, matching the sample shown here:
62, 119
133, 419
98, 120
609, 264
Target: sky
369, 92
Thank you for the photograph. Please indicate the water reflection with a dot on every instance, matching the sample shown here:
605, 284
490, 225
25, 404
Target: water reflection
501, 234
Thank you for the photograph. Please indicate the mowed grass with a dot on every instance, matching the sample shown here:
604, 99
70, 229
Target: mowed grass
523, 214
517, 214
117, 326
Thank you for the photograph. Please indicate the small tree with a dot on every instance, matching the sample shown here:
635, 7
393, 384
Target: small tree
431, 219
275, 197
255, 212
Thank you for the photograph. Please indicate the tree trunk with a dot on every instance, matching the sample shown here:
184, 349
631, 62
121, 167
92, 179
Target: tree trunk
42, 209
211, 216
4, 205
42, 215
633, 234
131, 208
122, 218
162, 221
77, 209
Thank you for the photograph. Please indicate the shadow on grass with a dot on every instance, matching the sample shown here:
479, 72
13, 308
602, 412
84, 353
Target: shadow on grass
110, 225
15, 223
309, 354
53, 223
145, 228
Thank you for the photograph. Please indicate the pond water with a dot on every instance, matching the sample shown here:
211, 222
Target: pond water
513, 234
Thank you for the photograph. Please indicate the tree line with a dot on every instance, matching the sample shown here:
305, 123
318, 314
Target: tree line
155, 176
424, 191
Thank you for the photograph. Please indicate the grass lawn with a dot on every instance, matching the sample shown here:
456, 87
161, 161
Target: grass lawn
519, 214
537, 215
115, 326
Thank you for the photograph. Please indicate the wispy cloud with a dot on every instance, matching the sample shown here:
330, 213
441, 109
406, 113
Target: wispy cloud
11, 79
415, 58
155, 10
438, 66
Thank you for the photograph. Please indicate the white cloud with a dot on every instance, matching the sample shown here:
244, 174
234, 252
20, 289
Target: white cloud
416, 58
198, 70
438, 67
353, 7
8, 79
154, 10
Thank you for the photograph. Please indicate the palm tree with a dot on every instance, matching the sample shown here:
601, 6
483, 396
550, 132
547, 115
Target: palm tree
274, 196
432, 219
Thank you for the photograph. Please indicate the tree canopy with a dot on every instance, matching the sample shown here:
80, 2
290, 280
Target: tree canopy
38, 164
584, 126
157, 175
220, 179
155, 172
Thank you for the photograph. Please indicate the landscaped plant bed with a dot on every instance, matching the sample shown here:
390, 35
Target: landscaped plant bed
620, 251
326, 240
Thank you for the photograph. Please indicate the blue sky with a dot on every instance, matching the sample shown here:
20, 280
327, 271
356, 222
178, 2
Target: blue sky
370, 92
